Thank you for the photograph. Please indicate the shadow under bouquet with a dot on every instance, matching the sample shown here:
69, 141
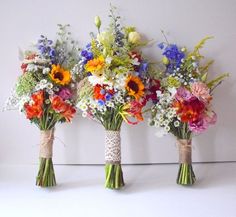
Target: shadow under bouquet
184, 101
45, 93
114, 89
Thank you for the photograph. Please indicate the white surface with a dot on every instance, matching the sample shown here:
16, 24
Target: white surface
185, 22
150, 191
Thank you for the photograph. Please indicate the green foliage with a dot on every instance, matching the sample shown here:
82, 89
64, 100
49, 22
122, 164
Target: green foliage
25, 84
217, 80
85, 90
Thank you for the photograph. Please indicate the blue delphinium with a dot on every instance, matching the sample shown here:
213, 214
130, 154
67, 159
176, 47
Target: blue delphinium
46, 48
174, 55
86, 55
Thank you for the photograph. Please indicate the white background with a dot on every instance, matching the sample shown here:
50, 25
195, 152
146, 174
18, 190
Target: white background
82, 142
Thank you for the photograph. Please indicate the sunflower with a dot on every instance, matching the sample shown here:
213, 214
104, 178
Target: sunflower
60, 75
95, 66
134, 86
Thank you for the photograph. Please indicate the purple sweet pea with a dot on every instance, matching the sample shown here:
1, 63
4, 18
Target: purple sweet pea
65, 93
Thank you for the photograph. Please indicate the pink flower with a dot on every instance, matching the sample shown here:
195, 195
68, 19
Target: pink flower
210, 117
198, 126
65, 93
183, 94
201, 91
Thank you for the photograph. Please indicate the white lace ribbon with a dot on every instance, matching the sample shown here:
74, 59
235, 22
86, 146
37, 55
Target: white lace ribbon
112, 147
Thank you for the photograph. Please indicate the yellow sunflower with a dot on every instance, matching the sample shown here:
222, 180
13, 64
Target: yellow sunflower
95, 66
134, 86
60, 75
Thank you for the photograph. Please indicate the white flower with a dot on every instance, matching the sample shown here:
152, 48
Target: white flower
46, 70
159, 93
108, 60
176, 123
84, 114
172, 91
135, 62
167, 128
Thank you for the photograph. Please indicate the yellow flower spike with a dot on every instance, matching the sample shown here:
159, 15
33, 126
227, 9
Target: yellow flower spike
59, 75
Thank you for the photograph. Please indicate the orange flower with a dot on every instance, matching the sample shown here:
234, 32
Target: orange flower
66, 110
68, 113
35, 110
95, 65
132, 109
58, 104
38, 98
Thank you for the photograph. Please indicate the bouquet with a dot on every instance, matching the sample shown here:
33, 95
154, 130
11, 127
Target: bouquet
184, 101
114, 89
44, 93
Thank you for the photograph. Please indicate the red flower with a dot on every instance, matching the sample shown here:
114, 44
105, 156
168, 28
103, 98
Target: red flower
190, 110
155, 85
100, 92
23, 67
33, 111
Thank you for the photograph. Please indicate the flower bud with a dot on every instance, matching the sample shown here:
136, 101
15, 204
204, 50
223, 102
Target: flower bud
134, 37
97, 22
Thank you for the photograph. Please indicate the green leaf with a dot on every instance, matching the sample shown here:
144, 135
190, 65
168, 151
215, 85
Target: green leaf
218, 79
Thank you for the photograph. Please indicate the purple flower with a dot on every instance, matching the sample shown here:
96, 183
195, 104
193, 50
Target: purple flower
183, 94
161, 45
65, 93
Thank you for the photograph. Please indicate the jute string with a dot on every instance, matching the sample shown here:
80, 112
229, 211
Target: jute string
112, 147
46, 142
185, 150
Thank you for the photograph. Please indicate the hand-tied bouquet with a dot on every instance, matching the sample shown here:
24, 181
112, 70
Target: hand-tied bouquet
114, 89
184, 101
44, 93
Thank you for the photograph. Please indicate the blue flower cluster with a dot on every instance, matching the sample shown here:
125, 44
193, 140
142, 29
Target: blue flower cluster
173, 54
86, 55
46, 48
142, 69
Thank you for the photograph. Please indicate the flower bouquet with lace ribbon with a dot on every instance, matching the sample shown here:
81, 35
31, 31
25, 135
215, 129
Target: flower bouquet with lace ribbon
44, 93
184, 101
114, 89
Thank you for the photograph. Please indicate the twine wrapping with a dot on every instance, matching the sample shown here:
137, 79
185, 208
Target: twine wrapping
46, 142
112, 147
185, 150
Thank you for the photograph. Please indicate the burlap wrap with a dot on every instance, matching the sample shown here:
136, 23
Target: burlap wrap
46, 142
112, 147
185, 150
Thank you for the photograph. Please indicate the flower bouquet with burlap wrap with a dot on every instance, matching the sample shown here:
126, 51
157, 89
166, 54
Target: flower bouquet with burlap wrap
44, 93
114, 89
184, 102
